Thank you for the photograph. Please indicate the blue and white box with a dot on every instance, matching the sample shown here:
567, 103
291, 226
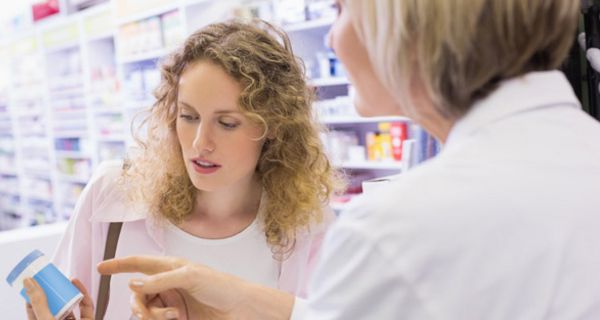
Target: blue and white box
61, 294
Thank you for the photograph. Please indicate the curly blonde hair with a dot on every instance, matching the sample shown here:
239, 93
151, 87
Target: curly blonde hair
295, 173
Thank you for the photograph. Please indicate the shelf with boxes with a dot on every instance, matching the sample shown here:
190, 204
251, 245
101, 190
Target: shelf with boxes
307, 25
370, 145
82, 79
365, 148
150, 37
10, 211
73, 159
7, 153
104, 90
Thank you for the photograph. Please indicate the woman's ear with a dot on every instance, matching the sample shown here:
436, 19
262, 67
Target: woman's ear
269, 135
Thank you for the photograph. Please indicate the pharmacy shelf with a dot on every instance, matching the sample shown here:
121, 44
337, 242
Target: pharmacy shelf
188, 3
72, 154
173, 5
102, 37
150, 55
39, 197
112, 138
8, 172
14, 193
309, 25
36, 88
69, 92
68, 205
72, 112
30, 114
357, 119
371, 165
73, 179
108, 110
139, 104
61, 47
70, 134
326, 82
38, 173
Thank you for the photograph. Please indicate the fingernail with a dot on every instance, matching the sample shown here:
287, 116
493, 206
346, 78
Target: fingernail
137, 283
27, 284
171, 314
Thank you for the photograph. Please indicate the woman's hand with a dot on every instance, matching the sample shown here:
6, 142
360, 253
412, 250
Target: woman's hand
208, 294
38, 309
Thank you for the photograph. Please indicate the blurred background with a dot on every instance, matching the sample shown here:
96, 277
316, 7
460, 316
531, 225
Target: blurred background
74, 74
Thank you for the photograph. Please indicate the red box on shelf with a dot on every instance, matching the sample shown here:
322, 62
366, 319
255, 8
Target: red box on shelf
399, 133
43, 9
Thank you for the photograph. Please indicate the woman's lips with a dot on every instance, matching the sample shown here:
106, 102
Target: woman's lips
203, 166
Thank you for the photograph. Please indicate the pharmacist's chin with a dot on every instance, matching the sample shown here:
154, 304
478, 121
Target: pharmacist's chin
376, 107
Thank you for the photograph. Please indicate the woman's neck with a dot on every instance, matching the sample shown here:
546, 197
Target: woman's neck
437, 126
224, 213
427, 116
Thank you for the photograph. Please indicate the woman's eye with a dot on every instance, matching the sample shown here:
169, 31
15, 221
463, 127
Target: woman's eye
187, 117
228, 125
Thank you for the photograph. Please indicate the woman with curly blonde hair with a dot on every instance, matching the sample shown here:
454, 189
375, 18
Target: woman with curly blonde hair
500, 225
230, 171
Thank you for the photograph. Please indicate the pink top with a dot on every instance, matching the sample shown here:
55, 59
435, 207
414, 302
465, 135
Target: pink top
101, 202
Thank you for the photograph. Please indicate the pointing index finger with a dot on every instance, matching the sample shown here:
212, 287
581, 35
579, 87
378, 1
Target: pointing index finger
140, 264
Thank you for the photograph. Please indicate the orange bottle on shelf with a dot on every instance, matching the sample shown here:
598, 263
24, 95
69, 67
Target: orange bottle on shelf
385, 140
371, 142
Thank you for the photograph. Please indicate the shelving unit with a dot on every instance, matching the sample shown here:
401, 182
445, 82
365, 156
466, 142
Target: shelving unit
333, 120
71, 85
309, 25
371, 165
330, 81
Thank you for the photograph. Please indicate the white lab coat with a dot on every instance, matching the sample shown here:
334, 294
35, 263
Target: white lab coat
503, 224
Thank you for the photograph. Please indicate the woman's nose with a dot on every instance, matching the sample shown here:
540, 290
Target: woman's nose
203, 141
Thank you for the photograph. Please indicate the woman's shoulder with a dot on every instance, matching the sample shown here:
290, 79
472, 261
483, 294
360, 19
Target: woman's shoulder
107, 174
109, 197
104, 187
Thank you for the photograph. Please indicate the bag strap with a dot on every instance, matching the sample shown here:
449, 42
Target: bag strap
114, 229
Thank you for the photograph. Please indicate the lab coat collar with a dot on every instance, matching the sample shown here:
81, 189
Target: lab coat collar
531, 91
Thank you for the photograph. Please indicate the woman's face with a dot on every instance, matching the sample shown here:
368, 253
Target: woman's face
372, 99
220, 145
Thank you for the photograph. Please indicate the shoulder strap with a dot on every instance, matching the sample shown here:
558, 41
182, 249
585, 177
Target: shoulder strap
114, 229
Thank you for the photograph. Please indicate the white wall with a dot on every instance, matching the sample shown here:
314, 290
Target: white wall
14, 245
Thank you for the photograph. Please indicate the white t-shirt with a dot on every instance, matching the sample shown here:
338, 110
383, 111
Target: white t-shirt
246, 254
